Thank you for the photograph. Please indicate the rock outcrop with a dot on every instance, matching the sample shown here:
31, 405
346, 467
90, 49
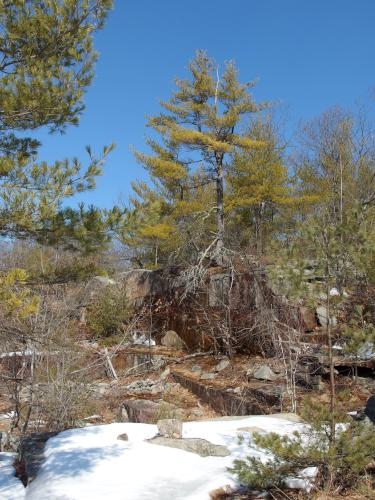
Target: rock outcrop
198, 446
141, 284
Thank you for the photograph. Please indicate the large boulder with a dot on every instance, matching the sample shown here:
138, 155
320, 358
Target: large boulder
141, 411
198, 446
172, 339
144, 411
140, 284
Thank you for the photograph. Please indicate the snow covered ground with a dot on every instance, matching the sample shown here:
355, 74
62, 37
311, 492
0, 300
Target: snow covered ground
11, 488
92, 464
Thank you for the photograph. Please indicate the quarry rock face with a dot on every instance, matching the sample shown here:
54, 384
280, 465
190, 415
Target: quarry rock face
308, 318
140, 284
96, 285
197, 317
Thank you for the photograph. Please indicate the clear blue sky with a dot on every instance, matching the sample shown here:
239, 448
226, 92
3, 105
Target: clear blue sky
307, 54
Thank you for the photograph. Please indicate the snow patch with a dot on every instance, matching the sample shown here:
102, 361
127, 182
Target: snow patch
11, 487
92, 464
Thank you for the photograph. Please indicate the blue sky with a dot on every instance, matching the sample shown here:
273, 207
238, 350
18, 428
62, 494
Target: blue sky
307, 54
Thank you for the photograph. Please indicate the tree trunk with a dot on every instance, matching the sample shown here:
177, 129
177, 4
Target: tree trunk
219, 211
331, 367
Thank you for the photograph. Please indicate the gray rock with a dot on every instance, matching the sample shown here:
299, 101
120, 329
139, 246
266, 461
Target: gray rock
198, 446
218, 289
365, 381
123, 415
24, 394
143, 340
103, 281
95, 287
224, 363
170, 428
366, 351
145, 411
264, 372
208, 376
123, 437
144, 386
196, 369
4, 440
141, 411
252, 429
101, 388
172, 339
322, 314
165, 373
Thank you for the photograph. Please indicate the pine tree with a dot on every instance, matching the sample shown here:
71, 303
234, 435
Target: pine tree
200, 125
259, 184
47, 59
148, 226
46, 64
342, 463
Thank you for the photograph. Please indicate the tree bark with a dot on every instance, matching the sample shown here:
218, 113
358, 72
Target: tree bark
331, 366
219, 210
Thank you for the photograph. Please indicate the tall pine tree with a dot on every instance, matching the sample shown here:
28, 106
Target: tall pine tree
201, 125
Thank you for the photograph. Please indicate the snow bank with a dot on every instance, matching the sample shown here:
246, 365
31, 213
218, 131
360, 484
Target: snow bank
11, 488
92, 464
